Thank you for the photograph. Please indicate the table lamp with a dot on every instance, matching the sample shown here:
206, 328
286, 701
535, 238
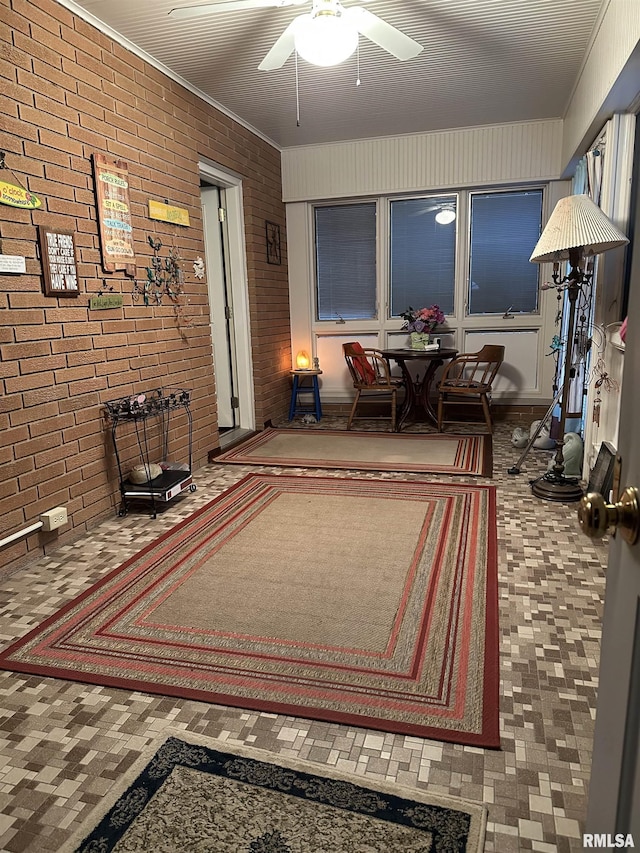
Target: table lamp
302, 360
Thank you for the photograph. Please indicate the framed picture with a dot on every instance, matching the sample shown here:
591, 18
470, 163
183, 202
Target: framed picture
273, 243
601, 477
59, 261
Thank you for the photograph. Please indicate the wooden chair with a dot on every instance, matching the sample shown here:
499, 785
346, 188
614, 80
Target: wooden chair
467, 380
371, 375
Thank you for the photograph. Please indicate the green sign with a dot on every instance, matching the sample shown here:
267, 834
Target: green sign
98, 303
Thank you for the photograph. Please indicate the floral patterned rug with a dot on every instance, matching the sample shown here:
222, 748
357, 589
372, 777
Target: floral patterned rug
201, 794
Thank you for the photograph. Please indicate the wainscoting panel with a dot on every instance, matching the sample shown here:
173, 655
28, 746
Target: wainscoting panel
519, 372
335, 382
491, 155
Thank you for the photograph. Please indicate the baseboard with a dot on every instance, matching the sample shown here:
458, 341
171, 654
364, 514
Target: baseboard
522, 413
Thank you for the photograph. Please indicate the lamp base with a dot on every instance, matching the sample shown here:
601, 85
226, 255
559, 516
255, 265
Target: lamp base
556, 487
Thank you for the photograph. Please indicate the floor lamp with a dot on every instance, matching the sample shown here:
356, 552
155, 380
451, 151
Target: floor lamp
576, 229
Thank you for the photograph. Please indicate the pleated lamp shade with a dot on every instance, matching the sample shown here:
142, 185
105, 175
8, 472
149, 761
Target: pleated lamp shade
576, 222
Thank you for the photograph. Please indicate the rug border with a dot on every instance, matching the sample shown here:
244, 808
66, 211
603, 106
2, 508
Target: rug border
485, 460
477, 811
488, 738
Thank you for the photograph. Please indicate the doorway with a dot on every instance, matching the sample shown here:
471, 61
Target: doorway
225, 259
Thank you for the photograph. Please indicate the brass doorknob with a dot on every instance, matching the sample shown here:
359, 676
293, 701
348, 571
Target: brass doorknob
596, 516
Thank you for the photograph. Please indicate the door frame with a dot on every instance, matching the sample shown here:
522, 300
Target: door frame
238, 285
614, 787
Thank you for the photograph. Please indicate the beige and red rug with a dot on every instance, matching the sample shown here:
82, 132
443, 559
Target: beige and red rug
430, 453
363, 602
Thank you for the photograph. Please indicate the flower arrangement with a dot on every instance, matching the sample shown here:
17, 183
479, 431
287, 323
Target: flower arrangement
422, 320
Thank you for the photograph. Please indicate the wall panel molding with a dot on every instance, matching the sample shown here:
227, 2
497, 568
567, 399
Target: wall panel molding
492, 155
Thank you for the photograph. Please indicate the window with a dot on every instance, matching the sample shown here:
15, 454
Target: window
345, 239
425, 239
505, 228
422, 254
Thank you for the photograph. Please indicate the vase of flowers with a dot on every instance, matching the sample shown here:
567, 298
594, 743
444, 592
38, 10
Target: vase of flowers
421, 322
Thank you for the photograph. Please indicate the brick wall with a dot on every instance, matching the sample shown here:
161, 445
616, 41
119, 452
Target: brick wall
71, 91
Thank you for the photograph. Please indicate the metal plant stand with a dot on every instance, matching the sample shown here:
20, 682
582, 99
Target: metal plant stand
137, 410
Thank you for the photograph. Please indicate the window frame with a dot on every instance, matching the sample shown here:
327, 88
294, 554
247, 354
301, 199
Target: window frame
467, 284
315, 319
460, 320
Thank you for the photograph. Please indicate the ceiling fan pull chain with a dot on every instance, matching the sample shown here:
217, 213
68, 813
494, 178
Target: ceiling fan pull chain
358, 63
297, 94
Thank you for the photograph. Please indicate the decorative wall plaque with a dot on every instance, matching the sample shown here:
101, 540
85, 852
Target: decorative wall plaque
114, 214
273, 243
13, 263
168, 213
17, 196
102, 303
59, 261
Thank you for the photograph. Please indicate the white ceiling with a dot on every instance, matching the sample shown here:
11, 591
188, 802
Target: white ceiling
484, 62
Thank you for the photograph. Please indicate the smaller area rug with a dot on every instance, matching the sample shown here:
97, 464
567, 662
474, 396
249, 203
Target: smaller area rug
358, 601
196, 794
431, 453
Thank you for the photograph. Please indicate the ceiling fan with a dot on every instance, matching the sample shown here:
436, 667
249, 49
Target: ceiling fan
445, 211
326, 35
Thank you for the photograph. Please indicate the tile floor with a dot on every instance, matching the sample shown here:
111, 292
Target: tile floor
63, 744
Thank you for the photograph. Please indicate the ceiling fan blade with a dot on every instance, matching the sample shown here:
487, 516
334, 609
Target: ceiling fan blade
383, 34
185, 12
282, 49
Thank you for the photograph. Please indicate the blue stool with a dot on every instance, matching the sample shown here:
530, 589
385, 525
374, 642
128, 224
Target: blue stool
299, 388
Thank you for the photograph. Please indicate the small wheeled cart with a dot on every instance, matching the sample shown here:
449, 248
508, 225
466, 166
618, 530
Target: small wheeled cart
134, 415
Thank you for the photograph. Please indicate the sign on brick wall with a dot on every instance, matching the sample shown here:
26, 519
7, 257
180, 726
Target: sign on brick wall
59, 261
114, 214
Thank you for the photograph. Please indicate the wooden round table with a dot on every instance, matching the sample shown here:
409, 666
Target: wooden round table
417, 392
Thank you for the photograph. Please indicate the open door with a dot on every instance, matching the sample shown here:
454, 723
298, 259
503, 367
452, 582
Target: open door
226, 268
220, 305
614, 790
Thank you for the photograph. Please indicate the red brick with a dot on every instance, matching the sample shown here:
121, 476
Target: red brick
80, 72
47, 155
43, 395
120, 94
26, 416
53, 41
60, 141
37, 445
35, 365
58, 485
98, 97
56, 454
84, 401
102, 125
67, 208
59, 424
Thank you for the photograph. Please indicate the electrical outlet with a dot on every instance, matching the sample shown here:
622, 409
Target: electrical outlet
54, 518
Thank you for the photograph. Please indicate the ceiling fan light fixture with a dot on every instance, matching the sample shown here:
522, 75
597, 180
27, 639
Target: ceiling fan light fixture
445, 216
325, 39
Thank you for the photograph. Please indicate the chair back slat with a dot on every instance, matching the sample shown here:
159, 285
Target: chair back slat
468, 379
370, 372
368, 367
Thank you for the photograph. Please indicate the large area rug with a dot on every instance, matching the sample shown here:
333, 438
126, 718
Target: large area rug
358, 601
204, 795
431, 453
